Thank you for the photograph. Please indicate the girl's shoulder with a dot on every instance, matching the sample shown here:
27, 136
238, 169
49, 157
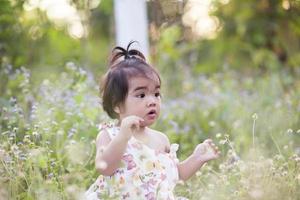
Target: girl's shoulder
161, 139
107, 131
160, 135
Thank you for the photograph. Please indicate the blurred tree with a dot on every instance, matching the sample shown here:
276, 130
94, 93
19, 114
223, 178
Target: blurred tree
99, 22
11, 31
30, 38
252, 34
258, 33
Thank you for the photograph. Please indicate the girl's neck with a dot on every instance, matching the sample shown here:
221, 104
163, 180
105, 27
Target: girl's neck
142, 134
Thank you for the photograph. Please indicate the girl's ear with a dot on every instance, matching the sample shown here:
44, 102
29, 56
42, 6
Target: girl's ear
117, 109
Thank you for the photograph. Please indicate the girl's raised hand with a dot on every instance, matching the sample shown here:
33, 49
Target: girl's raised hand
131, 124
206, 151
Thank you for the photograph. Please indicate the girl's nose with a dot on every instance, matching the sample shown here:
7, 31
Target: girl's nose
151, 101
150, 104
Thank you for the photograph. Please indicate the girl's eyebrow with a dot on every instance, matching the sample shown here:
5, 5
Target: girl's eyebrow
144, 88
140, 88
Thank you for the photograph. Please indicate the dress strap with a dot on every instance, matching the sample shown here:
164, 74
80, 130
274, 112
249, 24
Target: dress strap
173, 151
111, 128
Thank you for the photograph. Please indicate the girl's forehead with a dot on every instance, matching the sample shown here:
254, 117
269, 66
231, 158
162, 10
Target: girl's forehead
143, 81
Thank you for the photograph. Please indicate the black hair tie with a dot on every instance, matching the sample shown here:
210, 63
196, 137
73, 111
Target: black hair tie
128, 54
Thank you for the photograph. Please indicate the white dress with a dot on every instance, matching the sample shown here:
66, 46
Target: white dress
144, 173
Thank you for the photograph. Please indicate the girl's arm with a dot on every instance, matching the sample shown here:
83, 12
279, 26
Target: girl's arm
189, 167
203, 152
110, 151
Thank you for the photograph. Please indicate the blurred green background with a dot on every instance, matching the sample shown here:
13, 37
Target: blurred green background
208, 36
230, 71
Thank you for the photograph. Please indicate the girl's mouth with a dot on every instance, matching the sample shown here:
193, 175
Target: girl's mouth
151, 114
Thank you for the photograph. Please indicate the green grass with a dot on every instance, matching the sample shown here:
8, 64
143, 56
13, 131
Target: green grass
48, 130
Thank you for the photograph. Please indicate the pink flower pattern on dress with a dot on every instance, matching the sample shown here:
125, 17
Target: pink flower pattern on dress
150, 196
129, 161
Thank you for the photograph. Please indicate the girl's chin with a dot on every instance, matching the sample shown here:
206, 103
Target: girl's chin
148, 122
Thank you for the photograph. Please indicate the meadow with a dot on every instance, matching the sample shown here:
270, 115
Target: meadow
48, 130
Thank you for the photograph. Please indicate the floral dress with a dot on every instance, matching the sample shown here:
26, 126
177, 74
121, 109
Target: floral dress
144, 174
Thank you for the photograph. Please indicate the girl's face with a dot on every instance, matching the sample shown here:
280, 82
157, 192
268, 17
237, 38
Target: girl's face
143, 99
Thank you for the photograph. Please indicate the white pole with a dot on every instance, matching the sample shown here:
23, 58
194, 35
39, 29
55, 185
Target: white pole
132, 24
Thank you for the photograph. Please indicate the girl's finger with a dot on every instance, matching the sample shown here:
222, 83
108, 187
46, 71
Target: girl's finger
214, 147
139, 118
142, 122
136, 123
139, 121
217, 151
208, 141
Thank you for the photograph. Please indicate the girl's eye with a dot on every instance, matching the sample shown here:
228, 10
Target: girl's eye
157, 94
141, 95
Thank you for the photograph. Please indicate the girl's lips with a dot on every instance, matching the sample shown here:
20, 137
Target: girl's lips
152, 114
152, 111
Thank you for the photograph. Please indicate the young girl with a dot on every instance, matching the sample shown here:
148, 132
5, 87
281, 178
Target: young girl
135, 161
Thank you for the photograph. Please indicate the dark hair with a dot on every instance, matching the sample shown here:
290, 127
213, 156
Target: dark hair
114, 87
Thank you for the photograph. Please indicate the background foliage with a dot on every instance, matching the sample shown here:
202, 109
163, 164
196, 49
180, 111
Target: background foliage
240, 88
